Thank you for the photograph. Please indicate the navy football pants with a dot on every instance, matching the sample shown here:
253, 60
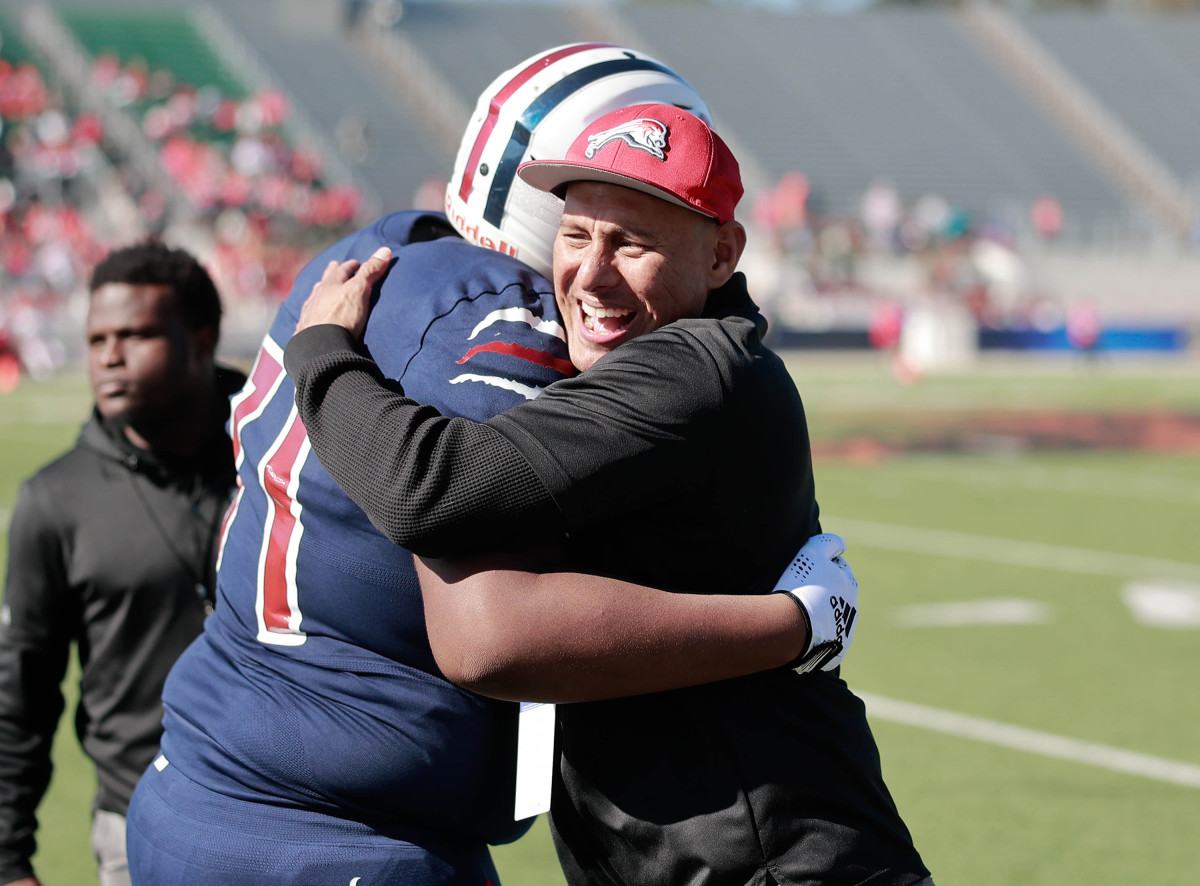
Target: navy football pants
182, 834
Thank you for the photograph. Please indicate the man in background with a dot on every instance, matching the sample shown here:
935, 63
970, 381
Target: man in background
112, 547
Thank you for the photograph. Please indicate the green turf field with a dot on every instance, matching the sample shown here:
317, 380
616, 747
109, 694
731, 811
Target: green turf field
1028, 636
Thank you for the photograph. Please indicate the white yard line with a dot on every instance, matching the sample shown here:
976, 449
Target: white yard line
1031, 741
1009, 552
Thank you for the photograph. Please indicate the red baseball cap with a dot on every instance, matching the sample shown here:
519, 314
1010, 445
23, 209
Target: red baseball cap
660, 150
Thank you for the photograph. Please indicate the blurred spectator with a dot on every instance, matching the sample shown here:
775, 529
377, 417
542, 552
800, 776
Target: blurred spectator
887, 322
815, 268
1046, 215
232, 159
1084, 327
262, 207
10, 365
881, 212
22, 91
431, 195
46, 245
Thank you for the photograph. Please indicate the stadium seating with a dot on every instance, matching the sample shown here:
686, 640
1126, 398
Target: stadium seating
914, 96
163, 40
1147, 68
906, 94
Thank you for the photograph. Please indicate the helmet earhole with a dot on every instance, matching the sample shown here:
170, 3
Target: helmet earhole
483, 169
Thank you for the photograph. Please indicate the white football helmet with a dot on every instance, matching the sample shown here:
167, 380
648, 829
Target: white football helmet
533, 112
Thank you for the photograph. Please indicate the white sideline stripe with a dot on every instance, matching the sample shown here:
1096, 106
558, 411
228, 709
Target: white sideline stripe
1010, 552
1031, 741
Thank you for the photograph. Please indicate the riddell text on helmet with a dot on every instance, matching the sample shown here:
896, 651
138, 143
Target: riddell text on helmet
471, 232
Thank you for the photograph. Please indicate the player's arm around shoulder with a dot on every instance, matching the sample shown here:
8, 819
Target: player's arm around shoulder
501, 630
509, 633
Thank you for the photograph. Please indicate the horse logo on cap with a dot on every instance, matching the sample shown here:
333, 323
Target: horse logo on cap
643, 134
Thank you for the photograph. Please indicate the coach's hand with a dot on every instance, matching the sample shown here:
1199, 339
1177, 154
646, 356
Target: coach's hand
825, 588
343, 294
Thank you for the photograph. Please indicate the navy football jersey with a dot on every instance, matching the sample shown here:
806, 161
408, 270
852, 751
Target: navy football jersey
313, 684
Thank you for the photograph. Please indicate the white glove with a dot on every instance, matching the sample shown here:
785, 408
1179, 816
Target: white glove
825, 589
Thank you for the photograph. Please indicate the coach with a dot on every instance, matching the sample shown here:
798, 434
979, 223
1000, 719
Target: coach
678, 458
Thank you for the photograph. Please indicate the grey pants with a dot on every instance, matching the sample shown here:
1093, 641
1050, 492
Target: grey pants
108, 843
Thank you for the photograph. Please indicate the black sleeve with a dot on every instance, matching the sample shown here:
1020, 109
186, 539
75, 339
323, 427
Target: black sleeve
36, 627
438, 486
627, 429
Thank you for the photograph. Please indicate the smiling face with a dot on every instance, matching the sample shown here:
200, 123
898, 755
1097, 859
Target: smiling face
627, 263
144, 363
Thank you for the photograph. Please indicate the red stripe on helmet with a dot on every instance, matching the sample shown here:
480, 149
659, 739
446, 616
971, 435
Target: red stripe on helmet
503, 95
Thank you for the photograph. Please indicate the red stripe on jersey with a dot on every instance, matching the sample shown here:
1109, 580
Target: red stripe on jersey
227, 520
262, 379
497, 103
532, 355
277, 477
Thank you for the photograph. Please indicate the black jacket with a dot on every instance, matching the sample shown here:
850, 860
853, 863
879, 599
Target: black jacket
114, 550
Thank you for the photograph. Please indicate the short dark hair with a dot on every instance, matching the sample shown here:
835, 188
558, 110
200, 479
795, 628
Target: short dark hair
153, 263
